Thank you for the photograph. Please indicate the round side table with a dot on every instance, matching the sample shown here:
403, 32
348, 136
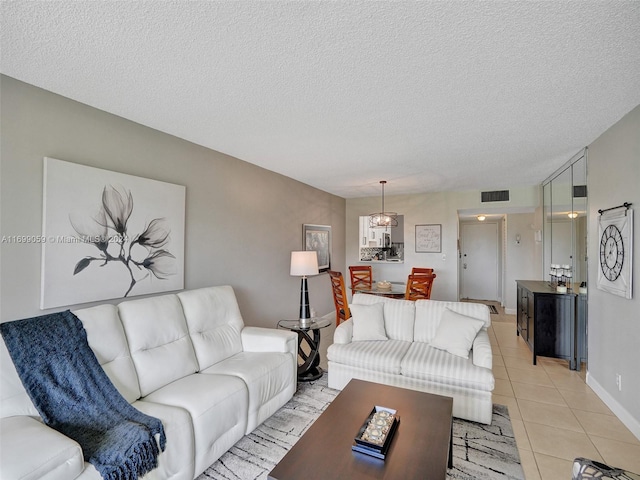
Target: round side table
310, 368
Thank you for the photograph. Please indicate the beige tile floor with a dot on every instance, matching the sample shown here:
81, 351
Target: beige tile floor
556, 416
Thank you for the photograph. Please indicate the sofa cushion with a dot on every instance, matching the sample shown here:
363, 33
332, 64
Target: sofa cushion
177, 459
424, 362
218, 406
266, 375
214, 322
399, 315
14, 399
375, 356
106, 338
456, 333
159, 341
368, 322
29, 450
429, 313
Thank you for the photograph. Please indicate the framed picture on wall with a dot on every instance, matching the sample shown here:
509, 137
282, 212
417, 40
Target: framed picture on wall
318, 238
108, 235
429, 238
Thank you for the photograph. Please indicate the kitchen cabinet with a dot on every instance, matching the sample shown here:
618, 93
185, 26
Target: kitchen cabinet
375, 237
364, 232
370, 237
546, 320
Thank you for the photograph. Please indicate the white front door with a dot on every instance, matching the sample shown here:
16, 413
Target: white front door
479, 267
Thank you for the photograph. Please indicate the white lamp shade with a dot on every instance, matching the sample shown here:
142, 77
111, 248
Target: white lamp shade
304, 263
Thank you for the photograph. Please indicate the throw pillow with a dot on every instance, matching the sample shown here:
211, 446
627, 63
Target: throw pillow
368, 322
456, 333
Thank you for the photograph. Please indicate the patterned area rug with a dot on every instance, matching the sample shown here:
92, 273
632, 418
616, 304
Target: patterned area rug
479, 451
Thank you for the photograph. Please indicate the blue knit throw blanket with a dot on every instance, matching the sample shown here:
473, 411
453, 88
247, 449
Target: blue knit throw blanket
73, 395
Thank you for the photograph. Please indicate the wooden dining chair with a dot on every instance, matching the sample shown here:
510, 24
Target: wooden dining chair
419, 287
421, 271
361, 276
339, 297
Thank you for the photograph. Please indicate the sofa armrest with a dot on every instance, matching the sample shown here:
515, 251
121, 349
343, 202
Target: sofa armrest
30, 450
482, 354
344, 332
261, 339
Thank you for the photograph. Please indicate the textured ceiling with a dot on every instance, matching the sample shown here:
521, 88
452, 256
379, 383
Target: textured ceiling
430, 96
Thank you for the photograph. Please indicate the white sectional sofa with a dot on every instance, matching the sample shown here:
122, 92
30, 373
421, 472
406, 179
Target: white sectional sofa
187, 359
394, 342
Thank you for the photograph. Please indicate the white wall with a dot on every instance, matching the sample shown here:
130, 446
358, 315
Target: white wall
242, 221
522, 261
613, 177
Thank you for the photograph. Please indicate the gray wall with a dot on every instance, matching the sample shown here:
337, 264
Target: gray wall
242, 221
614, 322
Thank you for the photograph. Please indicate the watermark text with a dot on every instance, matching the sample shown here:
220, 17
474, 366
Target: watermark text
61, 239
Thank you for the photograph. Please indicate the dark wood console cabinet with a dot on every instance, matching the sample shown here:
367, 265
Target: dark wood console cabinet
547, 321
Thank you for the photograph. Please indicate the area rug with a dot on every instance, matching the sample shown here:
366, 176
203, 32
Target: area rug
479, 451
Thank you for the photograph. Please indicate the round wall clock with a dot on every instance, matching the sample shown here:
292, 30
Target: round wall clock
611, 252
615, 229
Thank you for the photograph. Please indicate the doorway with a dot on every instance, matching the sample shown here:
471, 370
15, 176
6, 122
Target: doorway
479, 269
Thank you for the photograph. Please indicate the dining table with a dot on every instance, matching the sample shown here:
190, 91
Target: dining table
397, 290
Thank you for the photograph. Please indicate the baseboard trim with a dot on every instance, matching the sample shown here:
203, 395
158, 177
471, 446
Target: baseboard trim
625, 417
510, 311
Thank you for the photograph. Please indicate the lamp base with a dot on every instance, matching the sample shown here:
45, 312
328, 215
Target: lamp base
305, 322
305, 311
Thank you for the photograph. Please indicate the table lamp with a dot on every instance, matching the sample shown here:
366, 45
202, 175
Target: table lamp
304, 264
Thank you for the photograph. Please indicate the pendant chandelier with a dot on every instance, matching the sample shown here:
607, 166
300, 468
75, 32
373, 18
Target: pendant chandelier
382, 218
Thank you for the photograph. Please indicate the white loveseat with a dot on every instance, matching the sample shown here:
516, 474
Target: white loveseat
184, 358
398, 349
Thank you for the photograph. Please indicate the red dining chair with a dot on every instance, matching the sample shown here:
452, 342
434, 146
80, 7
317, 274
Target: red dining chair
419, 287
361, 276
421, 271
339, 297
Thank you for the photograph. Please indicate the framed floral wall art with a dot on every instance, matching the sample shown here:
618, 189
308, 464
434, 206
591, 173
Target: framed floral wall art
108, 235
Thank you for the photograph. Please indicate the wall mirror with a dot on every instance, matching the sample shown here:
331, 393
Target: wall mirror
381, 244
565, 221
564, 201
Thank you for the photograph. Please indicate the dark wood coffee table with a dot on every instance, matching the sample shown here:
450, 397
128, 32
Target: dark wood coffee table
421, 447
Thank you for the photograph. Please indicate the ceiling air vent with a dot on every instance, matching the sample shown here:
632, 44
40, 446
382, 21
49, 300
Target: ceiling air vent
495, 196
